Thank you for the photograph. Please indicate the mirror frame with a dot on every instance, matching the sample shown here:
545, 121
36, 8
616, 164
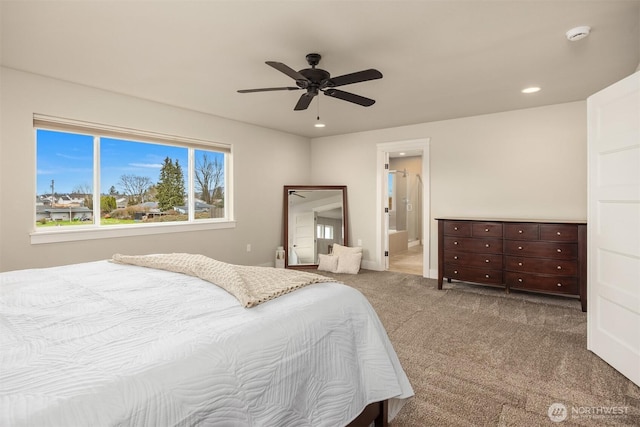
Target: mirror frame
287, 189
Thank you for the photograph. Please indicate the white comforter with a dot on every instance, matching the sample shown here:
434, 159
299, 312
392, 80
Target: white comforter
99, 344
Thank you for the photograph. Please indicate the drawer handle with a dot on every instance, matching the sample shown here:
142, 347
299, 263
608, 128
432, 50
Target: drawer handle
455, 271
519, 231
455, 243
559, 250
559, 284
520, 280
519, 248
486, 275
520, 264
486, 260
455, 228
486, 229
558, 233
559, 267
455, 257
487, 245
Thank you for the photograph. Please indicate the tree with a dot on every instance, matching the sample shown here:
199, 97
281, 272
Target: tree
170, 189
113, 191
134, 187
82, 189
209, 176
107, 203
87, 191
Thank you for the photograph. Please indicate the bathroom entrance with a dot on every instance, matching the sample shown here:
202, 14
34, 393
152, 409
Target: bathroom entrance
403, 189
405, 186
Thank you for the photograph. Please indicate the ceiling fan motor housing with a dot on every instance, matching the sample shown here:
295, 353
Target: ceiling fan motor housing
315, 75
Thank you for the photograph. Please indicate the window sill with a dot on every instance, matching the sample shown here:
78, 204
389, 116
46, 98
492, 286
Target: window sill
76, 233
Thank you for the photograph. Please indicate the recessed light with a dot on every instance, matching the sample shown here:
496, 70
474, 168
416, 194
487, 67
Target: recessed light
402, 154
319, 125
532, 89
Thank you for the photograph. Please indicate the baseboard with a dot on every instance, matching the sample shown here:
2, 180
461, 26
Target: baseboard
371, 265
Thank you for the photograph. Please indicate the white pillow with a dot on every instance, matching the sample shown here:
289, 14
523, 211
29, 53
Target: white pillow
328, 263
339, 249
349, 263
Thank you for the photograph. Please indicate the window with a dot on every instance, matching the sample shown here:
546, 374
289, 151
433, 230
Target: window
324, 231
98, 177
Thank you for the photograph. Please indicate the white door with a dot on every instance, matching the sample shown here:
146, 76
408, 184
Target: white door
613, 312
304, 238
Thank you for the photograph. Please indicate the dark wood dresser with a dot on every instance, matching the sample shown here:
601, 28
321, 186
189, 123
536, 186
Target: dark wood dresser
539, 256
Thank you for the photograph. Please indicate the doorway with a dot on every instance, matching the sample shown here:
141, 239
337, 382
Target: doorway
404, 230
403, 202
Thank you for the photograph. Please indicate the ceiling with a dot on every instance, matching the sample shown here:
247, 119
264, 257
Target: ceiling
440, 59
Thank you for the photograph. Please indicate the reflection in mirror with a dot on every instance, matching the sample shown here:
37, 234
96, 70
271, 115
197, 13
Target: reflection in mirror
314, 219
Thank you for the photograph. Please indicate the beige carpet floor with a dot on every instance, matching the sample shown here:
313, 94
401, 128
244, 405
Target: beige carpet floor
477, 356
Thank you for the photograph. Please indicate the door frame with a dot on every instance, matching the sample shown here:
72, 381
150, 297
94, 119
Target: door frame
382, 238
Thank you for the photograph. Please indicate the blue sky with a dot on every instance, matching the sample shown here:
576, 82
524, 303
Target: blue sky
68, 160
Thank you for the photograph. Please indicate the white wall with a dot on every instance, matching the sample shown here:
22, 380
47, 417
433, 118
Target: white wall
528, 164
258, 179
519, 164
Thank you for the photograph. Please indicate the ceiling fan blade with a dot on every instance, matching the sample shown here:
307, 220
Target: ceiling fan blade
359, 76
351, 97
287, 70
304, 101
268, 89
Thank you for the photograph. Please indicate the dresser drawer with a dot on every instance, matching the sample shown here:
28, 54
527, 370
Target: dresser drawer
491, 261
562, 267
559, 232
486, 229
468, 274
521, 231
557, 284
541, 249
457, 228
469, 244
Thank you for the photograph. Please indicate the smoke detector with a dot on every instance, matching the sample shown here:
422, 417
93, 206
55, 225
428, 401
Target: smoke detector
578, 33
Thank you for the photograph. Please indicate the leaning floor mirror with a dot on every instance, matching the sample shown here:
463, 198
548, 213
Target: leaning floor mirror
315, 218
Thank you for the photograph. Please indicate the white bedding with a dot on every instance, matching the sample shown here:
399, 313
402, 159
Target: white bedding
99, 344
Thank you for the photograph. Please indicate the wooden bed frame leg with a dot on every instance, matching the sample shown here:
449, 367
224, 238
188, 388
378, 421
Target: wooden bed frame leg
382, 420
376, 413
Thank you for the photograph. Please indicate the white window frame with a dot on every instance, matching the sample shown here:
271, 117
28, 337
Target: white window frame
95, 230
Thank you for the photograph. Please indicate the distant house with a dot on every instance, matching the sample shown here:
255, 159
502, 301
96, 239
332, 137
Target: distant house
151, 210
64, 207
121, 202
199, 207
73, 213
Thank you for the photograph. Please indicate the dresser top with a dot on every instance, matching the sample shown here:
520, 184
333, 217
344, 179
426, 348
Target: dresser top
546, 221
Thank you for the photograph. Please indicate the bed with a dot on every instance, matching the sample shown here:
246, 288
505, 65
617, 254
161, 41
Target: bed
104, 343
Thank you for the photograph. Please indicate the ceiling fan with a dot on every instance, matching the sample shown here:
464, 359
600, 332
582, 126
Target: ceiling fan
315, 80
